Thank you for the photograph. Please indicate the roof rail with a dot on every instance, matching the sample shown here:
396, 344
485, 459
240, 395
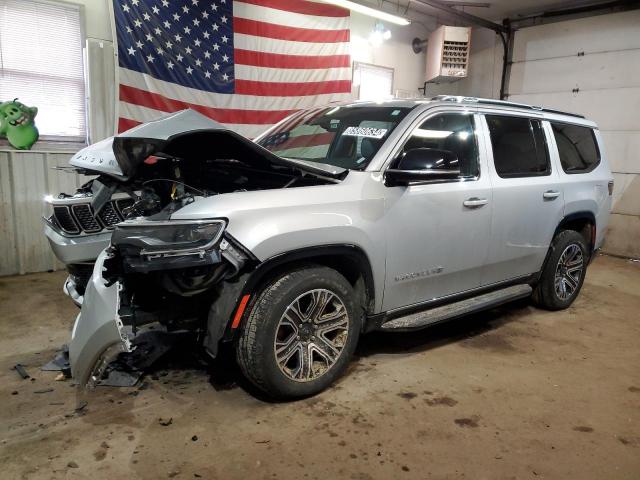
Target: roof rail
490, 101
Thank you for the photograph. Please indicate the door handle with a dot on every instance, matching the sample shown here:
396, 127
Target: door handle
551, 194
475, 202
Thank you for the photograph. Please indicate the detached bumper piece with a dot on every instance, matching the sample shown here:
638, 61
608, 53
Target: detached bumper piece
127, 369
98, 334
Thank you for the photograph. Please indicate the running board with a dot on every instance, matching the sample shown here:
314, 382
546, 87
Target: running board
457, 309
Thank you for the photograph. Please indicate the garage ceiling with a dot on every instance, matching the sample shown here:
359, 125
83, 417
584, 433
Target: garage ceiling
500, 9
496, 11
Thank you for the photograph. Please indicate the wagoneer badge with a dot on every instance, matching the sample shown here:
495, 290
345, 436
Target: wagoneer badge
423, 273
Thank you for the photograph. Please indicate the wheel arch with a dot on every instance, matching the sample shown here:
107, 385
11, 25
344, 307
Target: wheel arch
228, 312
583, 222
347, 259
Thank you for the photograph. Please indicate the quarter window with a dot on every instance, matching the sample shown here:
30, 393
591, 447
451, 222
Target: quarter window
577, 147
453, 132
519, 148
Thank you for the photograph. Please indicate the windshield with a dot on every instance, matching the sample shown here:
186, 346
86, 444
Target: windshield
344, 136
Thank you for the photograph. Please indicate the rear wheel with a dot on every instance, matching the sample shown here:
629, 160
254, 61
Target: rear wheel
564, 272
300, 333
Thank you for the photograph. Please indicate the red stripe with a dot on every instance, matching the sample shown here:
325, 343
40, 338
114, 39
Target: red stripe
306, 8
125, 124
223, 115
311, 140
270, 30
291, 89
277, 60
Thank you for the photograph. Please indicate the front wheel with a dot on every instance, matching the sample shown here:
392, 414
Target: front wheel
300, 333
564, 272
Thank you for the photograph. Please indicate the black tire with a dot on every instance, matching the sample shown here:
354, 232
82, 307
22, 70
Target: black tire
546, 294
256, 347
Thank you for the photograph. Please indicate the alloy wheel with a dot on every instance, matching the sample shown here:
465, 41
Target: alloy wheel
569, 272
311, 335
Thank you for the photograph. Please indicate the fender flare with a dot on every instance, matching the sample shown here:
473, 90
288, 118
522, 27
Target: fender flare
239, 294
581, 215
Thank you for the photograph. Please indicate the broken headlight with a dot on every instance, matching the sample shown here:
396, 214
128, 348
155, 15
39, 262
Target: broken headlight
168, 238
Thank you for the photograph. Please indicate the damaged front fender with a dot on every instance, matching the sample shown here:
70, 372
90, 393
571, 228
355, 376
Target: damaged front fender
98, 332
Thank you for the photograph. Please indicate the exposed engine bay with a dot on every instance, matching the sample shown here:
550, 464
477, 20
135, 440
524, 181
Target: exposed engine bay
163, 185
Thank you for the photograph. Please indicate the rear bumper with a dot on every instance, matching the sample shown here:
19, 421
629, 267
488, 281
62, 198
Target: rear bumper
97, 336
77, 249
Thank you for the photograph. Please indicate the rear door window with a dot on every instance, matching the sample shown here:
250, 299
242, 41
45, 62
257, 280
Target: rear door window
519, 146
577, 147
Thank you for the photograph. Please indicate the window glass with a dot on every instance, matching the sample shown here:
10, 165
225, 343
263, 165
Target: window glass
41, 64
577, 147
345, 136
373, 82
519, 147
453, 132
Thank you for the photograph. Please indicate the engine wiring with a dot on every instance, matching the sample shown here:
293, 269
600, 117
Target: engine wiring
202, 192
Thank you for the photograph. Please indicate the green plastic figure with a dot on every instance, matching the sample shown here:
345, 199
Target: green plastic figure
17, 124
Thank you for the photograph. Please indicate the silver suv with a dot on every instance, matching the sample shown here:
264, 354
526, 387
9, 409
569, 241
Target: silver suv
337, 221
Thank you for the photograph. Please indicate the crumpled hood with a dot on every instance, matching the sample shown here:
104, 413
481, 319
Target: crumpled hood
186, 133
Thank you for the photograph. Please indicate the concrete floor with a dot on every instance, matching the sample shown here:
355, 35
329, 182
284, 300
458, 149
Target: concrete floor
512, 393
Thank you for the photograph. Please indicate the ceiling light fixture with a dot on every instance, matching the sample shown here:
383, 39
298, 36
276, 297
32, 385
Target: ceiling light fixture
371, 12
379, 34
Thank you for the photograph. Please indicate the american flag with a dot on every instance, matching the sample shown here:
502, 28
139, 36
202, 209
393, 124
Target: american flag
244, 63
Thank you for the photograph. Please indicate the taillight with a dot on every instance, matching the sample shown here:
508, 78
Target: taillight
611, 188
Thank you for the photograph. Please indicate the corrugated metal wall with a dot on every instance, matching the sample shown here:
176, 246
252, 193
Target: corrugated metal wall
25, 178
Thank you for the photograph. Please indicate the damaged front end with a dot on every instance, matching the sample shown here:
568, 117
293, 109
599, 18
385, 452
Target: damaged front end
158, 278
161, 275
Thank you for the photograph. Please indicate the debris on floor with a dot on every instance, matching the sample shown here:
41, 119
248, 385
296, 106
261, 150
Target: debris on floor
59, 363
44, 390
21, 371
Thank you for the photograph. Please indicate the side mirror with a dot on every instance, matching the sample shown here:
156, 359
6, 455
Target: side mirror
422, 165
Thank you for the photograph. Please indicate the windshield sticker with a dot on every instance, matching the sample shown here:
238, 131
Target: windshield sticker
365, 132
395, 112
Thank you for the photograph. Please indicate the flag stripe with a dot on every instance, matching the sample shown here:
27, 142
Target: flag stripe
158, 102
288, 89
278, 60
288, 19
307, 8
126, 123
274, 45
142, 114
249, 102
269, 30
298, 75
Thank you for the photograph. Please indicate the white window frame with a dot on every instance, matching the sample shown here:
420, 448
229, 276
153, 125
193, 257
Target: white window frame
62, 142
357, 72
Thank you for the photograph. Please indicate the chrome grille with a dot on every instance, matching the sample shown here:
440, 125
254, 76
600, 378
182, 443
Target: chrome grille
108, 215
64, 219
84, 215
